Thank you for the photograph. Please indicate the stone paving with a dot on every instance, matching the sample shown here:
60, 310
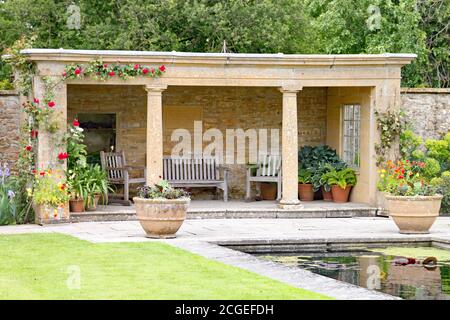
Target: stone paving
202, 236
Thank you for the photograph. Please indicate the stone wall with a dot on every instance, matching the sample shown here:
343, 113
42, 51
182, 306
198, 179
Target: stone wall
217, 107
9, 126
428, 110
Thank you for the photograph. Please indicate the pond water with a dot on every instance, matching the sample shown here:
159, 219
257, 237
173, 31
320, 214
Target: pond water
410, 279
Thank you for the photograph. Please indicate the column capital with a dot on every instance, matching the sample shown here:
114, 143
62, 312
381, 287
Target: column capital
290, 89
155, 87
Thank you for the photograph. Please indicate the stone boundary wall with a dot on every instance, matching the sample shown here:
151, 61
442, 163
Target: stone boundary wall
428, 109
9, 126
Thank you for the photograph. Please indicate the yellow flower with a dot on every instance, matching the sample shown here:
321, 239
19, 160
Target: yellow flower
383, 171
382, 175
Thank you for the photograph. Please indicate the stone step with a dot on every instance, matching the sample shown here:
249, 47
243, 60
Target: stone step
129, 214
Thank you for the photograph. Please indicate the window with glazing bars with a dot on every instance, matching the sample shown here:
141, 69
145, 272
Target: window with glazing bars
351, 134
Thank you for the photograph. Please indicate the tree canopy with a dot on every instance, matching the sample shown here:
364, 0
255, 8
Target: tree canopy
257, 26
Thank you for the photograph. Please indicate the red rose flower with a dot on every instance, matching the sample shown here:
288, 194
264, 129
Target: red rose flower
33, 133
105, 66
36, 100
162, 68
76, 123
33, 171
400, 177
145, 71
42, 173
51, 104
28, 148
111, 73
136, 66
77, 71
63, 155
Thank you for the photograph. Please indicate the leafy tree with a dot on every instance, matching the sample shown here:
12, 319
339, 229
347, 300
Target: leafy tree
259, 26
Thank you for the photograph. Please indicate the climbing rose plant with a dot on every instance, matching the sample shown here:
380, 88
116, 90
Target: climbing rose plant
102, 71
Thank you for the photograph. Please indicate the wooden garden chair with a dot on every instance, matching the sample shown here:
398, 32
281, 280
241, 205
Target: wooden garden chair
114, 163
268, 169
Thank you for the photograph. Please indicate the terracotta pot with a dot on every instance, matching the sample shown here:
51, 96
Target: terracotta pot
93, 206
327, 195
268, 191
414, 214
161, 218
340, 195
76, 205
305, 192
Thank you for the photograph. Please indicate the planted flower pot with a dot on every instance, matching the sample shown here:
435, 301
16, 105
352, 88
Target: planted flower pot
76, 205
339, 194
327, 195
305, 192
93, 203
268, 191
414, 214
161, 218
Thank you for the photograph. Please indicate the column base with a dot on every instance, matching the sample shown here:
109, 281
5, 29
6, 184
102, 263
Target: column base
290, 204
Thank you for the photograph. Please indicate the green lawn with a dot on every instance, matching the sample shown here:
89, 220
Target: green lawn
37, 266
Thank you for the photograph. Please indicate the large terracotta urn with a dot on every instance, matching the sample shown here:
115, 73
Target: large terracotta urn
413, 214
161, 218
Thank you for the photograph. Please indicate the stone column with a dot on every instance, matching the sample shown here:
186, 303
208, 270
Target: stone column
154, 133
49, 145
289, 149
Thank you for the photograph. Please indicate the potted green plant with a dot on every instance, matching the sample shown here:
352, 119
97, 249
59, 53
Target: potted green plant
305, 187
161, 209
97, 186
78, 190
319, 160
412, 200
341, 182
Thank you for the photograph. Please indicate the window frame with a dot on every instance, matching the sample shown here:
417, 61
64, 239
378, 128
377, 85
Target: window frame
355, 136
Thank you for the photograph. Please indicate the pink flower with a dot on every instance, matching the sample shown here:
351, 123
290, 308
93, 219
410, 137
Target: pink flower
136, 66
51, 104
36, 100
162, 68
64, 74
145, 70
77, 71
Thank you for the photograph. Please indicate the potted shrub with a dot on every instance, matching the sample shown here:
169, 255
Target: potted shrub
97, 186
305, 187
161, 209
320, 160
412, 201
341, 183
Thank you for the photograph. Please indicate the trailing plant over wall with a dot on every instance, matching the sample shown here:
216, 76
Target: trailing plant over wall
98, 70
390, 125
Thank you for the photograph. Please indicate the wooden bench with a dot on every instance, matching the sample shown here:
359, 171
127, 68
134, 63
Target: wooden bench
268, 169
196, 173
118, 173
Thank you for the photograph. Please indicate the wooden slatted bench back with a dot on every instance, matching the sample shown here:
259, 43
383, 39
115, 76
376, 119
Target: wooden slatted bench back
114, 163
268, 165
190, 169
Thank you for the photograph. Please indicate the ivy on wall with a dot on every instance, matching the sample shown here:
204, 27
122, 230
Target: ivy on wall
390, 125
